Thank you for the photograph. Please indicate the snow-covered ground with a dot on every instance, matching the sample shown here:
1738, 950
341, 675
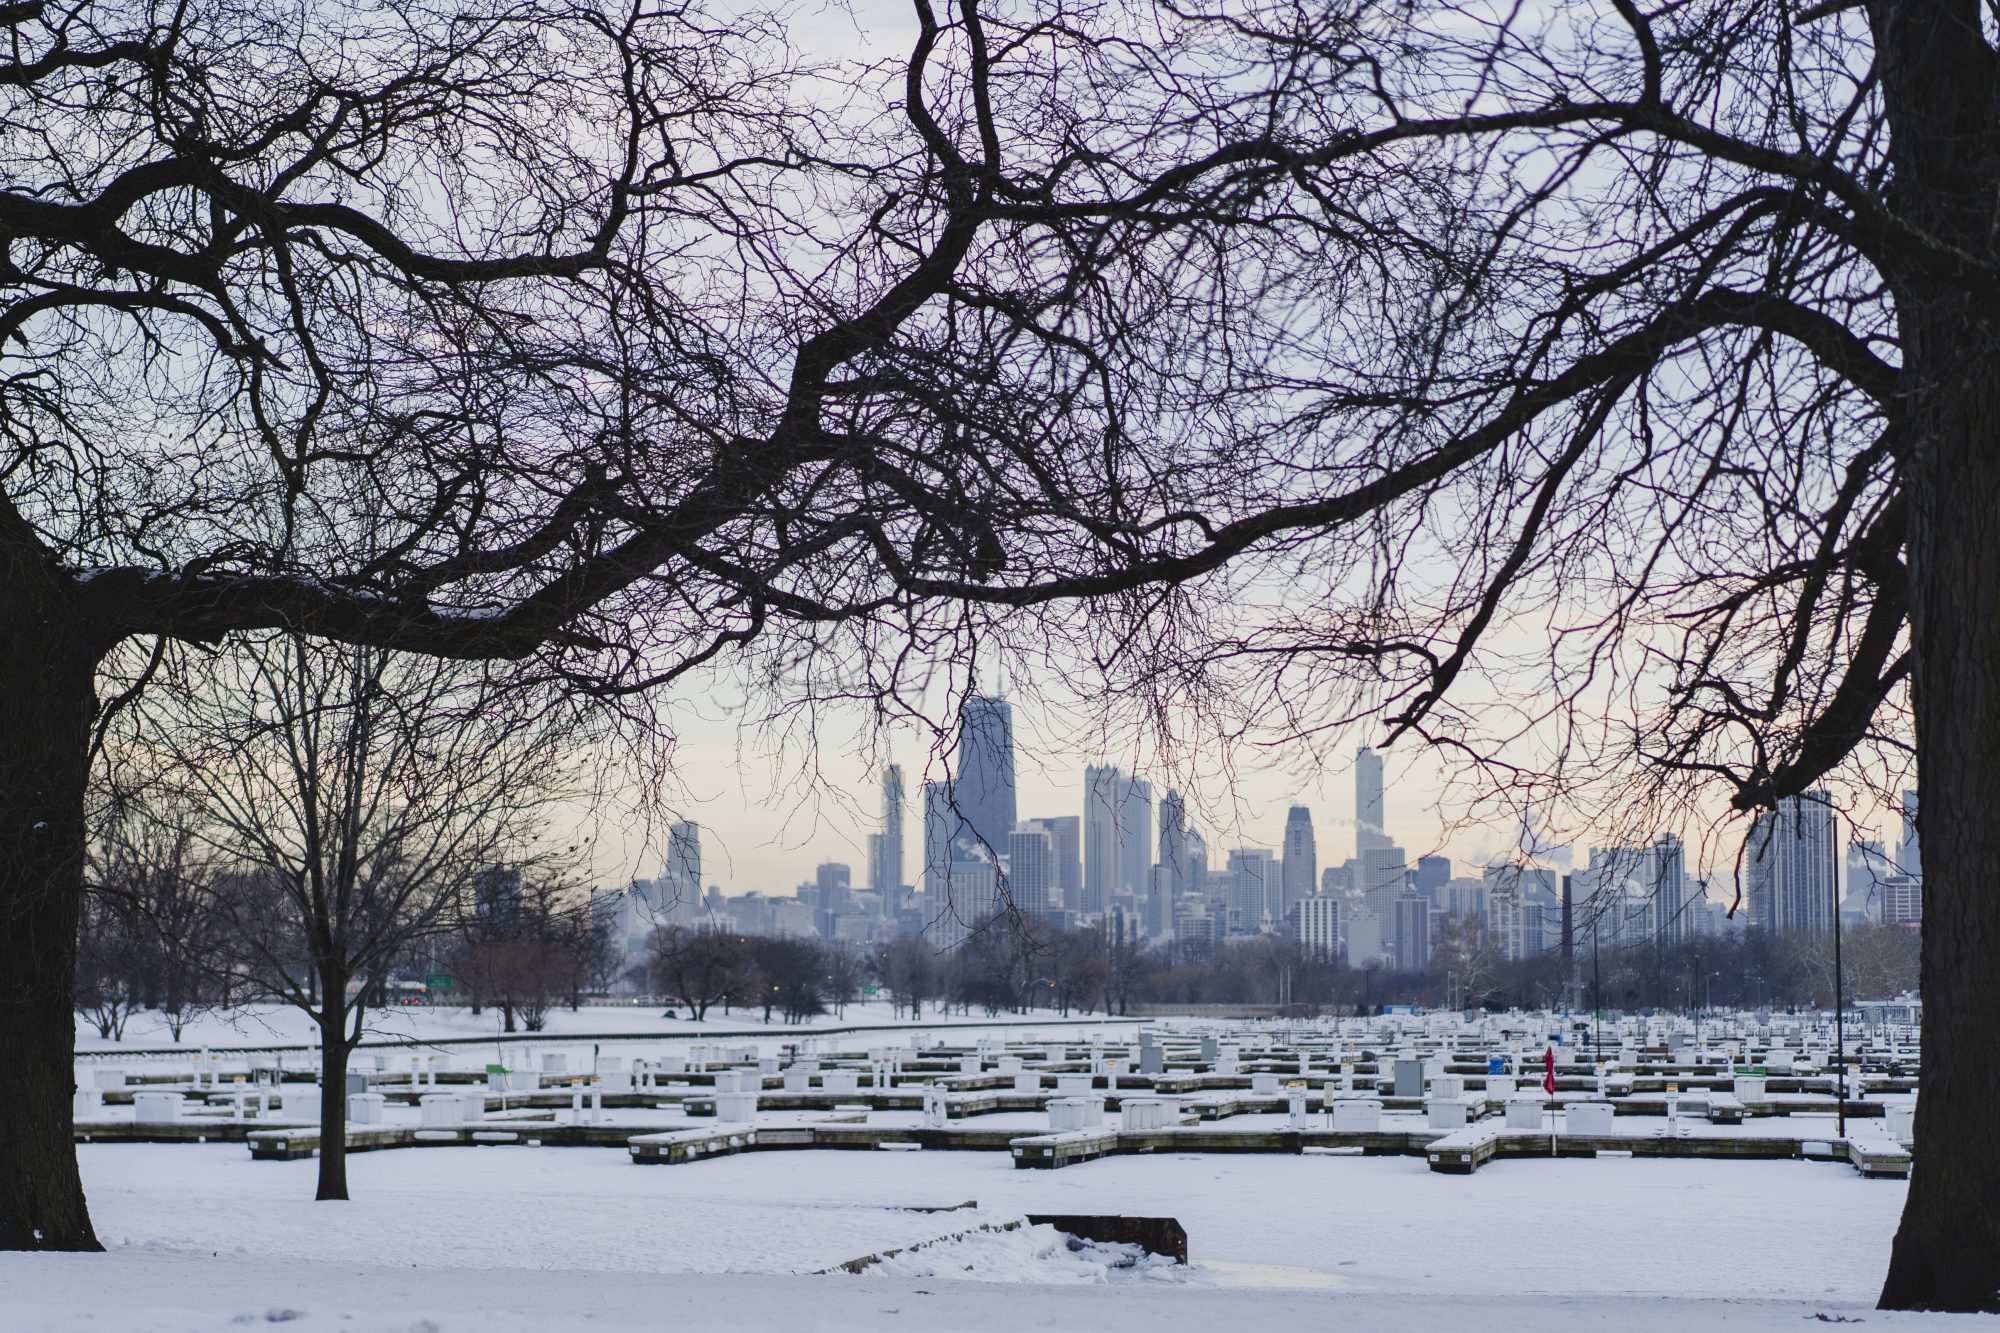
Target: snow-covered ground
277, 1025
524, 1238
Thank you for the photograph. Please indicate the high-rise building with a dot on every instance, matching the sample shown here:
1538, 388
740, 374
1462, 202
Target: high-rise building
941, 824
1031, 855
983, 780
1868, 865
1315, 925
1065, 834
679, 888
1514, 922
885, 850
1379, 878
1902, 901
1789, 863
1173, 846
831, 883
971, 896
1299, 873
1117, 837
1369, 829
1171, 880
1430, 877
1254, 890
1135, 839
1909, 854
1669, 872
1413, 931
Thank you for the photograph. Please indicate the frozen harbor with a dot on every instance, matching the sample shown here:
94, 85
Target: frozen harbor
516, 1237
1303, 1160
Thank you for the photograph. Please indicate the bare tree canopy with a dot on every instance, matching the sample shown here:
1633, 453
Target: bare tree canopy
1315, 362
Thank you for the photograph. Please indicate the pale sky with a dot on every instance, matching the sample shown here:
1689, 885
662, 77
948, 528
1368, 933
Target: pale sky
773, 804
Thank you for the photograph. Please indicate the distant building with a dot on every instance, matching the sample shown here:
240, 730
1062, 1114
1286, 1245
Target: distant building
1369, 816
1413, 932
1314, 925
1909, 856
1065, 835
983, 780
1299, 870
973, 890
1902, 901
1173, 877
885, 849
1789, 863
1117, 836
1030, 869
1868, 865
1254, 891
1430, 876
831, 883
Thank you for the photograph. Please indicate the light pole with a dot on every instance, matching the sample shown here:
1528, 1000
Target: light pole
1839, 995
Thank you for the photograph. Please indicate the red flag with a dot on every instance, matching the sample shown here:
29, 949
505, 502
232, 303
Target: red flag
1549, 1070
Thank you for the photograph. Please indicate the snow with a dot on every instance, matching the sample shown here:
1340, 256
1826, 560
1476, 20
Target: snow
541, 1238
524, 1239
1027, 1254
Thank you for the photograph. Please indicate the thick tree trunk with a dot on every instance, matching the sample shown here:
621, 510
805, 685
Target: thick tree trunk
1947, 1250
46, 708
333, 1097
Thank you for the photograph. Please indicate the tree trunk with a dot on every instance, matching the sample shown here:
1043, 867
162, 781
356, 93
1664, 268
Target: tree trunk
46, 708
1947, 1250
333, 1095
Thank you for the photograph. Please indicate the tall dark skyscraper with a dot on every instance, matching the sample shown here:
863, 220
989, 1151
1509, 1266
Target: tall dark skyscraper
1300, 873
1789, 864
983, 778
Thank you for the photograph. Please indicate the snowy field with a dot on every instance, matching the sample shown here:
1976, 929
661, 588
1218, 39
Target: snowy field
517, 1238
273, 1025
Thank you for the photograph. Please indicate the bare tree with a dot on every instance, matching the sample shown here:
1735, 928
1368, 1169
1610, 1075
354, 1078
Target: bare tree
696, 965
370, 796
909, 968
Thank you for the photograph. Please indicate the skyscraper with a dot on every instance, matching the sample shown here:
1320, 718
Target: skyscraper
940, 825
1909, 856
1065, 834
1171, 881
1430, 877
1669, 869
1117, 837
681, 884
1030, 861
830, 885
983, 783
1173, 843
1868, 865
885, 862
1253, 889
1789, 863
1135, 838
1299, 875
1369, 832
1413, 931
